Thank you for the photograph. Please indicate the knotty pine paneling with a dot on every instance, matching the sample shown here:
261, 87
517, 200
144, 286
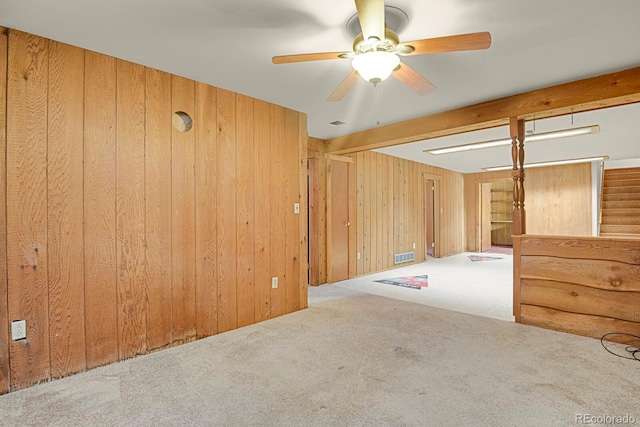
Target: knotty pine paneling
303, 197
262, 203
245, 165
292, 219
317, 210
100, 267
130, 209
158, 212
124, 235
4, 318
227, 213
64, 209
278, 209
206, 129
183, 215
387, 196
557, 201
27, 250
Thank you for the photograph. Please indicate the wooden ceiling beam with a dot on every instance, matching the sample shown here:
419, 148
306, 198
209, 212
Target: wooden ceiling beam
619, 88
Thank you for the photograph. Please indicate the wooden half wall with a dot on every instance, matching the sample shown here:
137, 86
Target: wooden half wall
582, 285
125, 235
558, 201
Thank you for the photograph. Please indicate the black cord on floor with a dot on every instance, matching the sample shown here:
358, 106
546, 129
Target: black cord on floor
634, 351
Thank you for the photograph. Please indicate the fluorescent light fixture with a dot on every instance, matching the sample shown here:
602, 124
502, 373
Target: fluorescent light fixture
552, 163
507, 141
375, 66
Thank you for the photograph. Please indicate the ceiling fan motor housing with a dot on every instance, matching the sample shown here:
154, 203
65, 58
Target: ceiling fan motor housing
391, 40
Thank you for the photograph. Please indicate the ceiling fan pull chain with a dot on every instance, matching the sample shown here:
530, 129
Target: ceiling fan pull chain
377, 106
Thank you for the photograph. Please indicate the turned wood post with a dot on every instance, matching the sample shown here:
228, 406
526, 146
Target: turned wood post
517, 155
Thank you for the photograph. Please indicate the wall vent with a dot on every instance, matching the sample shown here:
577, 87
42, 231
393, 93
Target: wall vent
405, 257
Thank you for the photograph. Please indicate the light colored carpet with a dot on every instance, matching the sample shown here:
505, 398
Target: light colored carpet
351, 359
484, 288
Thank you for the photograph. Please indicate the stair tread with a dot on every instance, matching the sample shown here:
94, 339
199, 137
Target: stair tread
617, 228
620, 171
621, 235
633, 182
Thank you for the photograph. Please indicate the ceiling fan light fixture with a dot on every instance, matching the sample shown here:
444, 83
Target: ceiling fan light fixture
375, 66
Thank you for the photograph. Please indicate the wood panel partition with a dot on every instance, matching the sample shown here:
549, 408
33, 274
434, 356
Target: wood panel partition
124, 234
390, 210
582, 285
558, 201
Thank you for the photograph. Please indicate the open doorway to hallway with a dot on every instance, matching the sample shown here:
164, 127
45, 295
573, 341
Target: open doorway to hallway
496, 217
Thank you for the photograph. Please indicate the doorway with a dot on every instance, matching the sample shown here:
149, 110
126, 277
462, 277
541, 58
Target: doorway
431, 186
338, 219
496, 216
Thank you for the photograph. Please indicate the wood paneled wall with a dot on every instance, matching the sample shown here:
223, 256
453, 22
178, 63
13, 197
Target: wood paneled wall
558, 201
125, 235
582, 285
317, 211
389, 210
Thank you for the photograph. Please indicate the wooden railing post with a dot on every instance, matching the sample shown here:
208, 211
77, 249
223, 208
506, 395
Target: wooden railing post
517, 155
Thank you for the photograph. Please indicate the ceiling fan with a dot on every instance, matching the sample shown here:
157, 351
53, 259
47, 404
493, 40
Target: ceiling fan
376, 52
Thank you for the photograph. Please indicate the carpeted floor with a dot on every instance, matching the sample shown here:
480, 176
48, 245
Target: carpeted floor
351, 359
460, 282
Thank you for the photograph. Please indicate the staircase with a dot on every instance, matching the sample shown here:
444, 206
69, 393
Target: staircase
621, 203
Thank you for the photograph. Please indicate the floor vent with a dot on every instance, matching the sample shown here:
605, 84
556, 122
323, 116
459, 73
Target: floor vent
405, 257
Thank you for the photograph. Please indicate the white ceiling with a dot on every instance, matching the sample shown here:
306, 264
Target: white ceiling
229, 44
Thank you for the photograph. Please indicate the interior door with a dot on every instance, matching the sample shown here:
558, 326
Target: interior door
338, 249
430, 226
485, 216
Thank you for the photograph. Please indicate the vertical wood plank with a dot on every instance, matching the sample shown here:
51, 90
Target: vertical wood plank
353, 218
245, 205
65, 202
101, 313
206, 128
373, 218
183, 255
262, 155
387, 212
392, 212
4, 319
27, 206
360, 214
302, 142
367, 209
314, 217
380, 249
158, 209
292, 220
130, 209
227, 212
322, 218
278, 220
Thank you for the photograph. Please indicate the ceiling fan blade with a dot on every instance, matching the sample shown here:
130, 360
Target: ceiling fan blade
344, 87
303, 57
371, 16
412, 79
472, 41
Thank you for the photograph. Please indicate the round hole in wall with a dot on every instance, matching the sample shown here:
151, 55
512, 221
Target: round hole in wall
182, 121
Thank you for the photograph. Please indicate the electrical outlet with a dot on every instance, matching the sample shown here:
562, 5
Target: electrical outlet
19, 330
274, 282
